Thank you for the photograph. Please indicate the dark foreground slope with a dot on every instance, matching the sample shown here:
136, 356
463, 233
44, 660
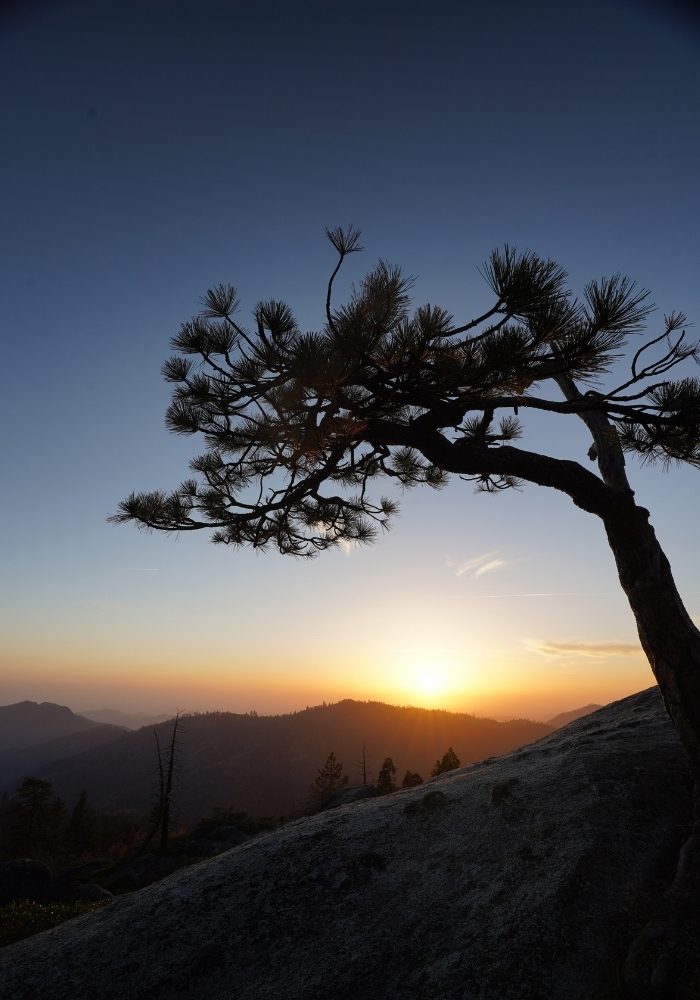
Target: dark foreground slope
520, 878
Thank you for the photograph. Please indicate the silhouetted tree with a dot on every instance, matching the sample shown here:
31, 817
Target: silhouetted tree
82, 827
298, 425
330, 779
362, 765
449, 762
168, 763
411, 779
385, 778
38, 820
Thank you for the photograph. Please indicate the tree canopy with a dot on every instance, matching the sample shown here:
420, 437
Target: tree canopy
298, 426
329, 779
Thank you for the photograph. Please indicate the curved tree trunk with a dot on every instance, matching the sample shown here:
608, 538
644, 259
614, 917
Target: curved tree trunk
668, 636
672, 645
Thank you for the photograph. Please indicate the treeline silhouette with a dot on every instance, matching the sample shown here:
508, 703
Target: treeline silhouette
35, 823
261, 764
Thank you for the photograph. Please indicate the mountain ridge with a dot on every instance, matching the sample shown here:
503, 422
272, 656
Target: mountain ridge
265, 765
27, 723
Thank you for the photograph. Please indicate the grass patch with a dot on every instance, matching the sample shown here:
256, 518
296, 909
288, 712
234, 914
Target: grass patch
23, 917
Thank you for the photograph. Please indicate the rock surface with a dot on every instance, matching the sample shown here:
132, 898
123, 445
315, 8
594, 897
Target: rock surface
523, 877
345, 796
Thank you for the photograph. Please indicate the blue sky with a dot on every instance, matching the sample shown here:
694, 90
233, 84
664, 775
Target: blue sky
154, 149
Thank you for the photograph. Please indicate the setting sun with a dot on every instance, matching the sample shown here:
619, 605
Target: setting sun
432, 681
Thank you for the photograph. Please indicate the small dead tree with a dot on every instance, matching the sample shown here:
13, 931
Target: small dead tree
168, 766
362, 764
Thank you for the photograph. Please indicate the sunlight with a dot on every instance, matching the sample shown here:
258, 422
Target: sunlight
432, 681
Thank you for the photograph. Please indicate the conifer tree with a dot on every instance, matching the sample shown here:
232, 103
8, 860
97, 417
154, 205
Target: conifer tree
330, 779
82, 827
298, 427
449, 762
385, 778
38, 820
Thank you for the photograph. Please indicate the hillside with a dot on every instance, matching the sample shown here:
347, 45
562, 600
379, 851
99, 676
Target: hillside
33, 735
265, 764
18, 764
521, 878
28, 723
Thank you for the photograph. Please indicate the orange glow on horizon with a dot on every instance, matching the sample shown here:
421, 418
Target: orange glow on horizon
486, 682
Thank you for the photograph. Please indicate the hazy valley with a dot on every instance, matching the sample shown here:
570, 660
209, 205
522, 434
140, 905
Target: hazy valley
263, 765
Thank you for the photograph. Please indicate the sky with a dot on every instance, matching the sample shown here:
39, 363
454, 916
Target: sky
152, 150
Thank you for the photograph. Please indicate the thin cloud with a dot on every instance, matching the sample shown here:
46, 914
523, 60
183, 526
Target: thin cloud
489, 567
594, 650
476, 567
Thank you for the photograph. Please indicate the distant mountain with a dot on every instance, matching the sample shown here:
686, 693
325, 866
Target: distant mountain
28, 723
34, 735
128, 720
564, 718
265, 765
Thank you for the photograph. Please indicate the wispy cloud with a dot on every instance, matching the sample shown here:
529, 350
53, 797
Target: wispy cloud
146, 569
478, 566
595, 650
489, 567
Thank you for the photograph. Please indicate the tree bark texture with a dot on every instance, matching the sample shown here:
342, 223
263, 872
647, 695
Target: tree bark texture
668, 636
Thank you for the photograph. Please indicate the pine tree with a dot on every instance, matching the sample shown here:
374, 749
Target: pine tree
330, 779
82, 827
449, 762
38, 820
385, 778
298, 426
